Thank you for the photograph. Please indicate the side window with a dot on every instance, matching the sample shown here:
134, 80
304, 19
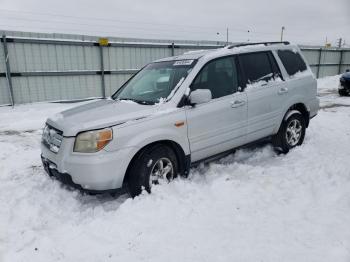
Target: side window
292, 61
219, 76
256, 66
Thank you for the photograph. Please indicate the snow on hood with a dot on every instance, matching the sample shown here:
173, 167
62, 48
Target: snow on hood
98, 114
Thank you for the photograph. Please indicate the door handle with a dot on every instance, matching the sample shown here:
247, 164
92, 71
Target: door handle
237, 103
283, 90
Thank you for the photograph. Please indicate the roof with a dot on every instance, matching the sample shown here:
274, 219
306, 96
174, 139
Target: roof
188, 55
212, 53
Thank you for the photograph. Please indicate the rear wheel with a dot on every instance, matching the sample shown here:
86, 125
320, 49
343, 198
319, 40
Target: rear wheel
291, 133
154, 165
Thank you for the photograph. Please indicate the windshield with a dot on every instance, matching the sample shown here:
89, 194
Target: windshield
155, 82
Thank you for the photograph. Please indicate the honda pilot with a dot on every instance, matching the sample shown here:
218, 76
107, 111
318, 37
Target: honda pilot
181, 110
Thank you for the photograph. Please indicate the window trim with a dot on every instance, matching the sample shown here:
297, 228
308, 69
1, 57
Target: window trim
239, 76
272, 59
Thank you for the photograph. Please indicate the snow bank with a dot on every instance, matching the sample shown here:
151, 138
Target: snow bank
29, 117
328, 90
328, 83
253, 205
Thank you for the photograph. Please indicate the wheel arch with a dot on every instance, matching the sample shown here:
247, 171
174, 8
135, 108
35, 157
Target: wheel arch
184, 160
300, 107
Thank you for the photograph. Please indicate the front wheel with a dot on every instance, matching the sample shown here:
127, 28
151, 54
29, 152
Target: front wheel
154, 165
291, 133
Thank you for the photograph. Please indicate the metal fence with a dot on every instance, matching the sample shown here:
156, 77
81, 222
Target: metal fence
44, 67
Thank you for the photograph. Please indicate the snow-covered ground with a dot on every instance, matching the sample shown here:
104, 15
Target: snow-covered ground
250, 206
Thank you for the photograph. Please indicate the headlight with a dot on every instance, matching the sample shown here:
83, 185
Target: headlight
93, 141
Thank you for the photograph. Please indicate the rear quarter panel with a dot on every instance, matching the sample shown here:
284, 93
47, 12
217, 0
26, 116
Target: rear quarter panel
303, 90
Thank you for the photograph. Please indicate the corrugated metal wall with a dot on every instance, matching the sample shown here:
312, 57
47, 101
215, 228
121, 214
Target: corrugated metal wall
4, 91
50, 70
327, 61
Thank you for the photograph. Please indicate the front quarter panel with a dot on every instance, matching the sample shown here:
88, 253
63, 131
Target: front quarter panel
157, 127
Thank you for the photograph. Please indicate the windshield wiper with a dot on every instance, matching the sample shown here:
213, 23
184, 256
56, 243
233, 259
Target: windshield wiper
142, 102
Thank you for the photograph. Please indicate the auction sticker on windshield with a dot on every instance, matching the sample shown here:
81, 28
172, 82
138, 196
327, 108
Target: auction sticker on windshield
183, 62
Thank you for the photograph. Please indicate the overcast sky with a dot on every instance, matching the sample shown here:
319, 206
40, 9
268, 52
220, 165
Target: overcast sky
305, 21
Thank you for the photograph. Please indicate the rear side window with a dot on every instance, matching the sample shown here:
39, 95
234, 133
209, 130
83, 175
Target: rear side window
257, 67
292, 61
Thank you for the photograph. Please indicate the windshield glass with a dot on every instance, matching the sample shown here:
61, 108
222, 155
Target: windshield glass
155, 82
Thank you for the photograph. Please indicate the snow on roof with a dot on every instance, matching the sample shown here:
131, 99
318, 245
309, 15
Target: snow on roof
187, 55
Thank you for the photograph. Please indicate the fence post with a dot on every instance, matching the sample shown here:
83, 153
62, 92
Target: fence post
319, 62
340, 61
102, 72
8, 70
172, 49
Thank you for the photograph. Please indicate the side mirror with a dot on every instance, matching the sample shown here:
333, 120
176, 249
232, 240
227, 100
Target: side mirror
200, 96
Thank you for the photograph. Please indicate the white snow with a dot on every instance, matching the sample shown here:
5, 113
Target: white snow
259, 83
126, 101
301, 74
195, 51
253, 205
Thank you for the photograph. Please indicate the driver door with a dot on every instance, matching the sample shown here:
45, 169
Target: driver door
220, 124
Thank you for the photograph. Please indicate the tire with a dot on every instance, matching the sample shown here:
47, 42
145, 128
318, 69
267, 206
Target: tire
288, 135
343, 92
146, 168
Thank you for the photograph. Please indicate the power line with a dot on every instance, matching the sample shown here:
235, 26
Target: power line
98, 32
108, 25
232, 29
117, 20
208, 32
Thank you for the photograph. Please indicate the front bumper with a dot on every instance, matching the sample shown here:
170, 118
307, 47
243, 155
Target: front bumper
66, 179
96, 172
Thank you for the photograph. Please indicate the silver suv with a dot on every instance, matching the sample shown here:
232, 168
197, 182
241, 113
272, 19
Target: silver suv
181, 110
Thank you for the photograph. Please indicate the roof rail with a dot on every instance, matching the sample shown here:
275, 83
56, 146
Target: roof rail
258, 43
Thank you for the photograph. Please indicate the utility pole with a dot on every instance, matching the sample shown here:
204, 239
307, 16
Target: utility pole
282, 29
340, 42
227, 36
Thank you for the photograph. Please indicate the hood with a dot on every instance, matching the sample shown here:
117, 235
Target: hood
98, 114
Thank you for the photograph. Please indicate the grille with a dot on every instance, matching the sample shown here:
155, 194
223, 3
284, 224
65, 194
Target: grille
52, 138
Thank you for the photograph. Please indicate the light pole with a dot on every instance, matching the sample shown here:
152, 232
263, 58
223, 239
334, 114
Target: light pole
227, 36
282, 29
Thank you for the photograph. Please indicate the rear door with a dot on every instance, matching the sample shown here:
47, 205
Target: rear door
262, 81
220, 124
